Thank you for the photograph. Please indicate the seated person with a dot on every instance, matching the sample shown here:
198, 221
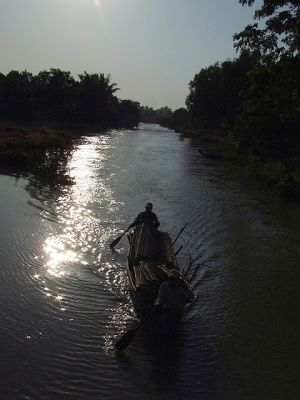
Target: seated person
174, 294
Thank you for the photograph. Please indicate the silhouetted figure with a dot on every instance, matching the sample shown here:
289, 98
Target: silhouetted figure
174, 293
147, 217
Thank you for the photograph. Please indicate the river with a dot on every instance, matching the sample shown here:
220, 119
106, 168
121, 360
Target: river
62, 291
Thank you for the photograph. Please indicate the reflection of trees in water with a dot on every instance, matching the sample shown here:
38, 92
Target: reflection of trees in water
52, 168
48, 174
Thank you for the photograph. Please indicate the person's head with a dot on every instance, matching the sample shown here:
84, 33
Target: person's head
148, 206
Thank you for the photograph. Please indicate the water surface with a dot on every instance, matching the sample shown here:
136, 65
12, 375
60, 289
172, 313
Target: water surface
62, 290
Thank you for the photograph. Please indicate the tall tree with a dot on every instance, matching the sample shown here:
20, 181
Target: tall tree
214, 97
269, 120
54, 93
18, 96
96, 98
129, 113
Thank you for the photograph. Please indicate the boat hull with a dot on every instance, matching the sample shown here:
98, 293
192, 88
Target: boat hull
150, 259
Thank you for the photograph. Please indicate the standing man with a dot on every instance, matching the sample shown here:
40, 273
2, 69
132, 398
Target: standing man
147, 217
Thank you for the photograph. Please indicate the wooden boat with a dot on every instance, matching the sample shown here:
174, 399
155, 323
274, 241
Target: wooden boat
151, 257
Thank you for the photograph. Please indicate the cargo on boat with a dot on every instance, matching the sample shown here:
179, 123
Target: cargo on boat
151, 259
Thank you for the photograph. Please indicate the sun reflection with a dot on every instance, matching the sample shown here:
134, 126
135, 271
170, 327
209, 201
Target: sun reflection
76, 240
84, 224
58, 256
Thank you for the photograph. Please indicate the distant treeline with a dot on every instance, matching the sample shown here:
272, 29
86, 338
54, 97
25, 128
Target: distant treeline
160, 116
56, 96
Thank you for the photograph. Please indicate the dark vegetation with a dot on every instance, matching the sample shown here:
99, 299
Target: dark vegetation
39, 152
162, 116
56, 97
249, 107
49, 111
246, 109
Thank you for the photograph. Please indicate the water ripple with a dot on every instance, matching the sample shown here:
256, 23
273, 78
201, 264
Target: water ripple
64, 295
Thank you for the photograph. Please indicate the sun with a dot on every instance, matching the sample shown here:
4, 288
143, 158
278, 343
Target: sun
97, 3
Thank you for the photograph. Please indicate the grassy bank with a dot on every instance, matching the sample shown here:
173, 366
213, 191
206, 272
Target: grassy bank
282, 176
38, 150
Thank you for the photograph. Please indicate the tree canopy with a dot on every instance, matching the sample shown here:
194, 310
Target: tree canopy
56, 96
254, 100
279, 34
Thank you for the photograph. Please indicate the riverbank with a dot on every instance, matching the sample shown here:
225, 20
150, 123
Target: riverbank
282, 176
39, 150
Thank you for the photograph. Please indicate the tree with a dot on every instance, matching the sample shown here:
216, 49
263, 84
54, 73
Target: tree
96, 101
2, 96
180, 118
55, 96
18, 96
269, 119
280, 35
214, 98
129, 113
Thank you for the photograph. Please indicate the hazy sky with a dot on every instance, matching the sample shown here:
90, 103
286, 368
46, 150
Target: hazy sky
151, 48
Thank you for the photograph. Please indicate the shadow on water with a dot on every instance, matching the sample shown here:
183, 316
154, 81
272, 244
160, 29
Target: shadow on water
182, 366
152, 364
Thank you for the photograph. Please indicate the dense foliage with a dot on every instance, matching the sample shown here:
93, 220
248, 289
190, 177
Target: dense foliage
214, 98
254, 100
251, 104
280, 34
55, 96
